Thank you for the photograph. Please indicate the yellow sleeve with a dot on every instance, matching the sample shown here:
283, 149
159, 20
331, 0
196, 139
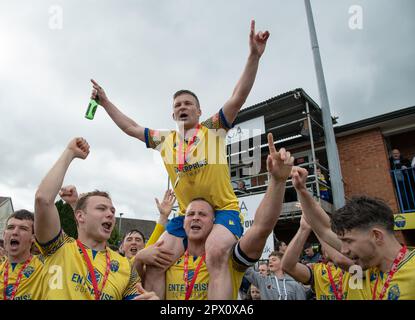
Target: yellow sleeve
157, 232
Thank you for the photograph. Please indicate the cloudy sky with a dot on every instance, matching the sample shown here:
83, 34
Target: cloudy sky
142, 51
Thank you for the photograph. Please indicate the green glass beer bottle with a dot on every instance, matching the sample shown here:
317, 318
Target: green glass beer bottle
92, 108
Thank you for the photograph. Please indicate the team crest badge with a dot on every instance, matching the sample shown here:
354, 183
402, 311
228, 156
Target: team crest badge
190, 276
98, 276
9, 290
394, 293
400, 221
114, 265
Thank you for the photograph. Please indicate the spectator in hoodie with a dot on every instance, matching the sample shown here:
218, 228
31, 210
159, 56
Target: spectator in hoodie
277, 285
263, 268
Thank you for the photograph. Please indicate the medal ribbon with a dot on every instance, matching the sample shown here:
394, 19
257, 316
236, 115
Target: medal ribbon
17, 283
338, 291
183, 156
97, 293
189, 287
394, 268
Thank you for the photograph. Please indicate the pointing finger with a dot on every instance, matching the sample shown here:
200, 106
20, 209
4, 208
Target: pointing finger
271, 145
94, 82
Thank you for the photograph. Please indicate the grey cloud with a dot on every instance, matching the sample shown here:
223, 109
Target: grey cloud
143, 51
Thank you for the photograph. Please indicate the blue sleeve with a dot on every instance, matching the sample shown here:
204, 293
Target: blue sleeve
223, 119
146, 131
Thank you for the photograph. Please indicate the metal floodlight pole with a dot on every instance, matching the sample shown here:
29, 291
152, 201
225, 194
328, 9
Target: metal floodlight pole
331, 146
119, 225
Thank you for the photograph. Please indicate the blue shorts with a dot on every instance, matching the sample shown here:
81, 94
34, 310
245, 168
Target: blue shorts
227, 218
324, 194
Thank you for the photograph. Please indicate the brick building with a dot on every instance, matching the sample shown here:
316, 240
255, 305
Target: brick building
364, 149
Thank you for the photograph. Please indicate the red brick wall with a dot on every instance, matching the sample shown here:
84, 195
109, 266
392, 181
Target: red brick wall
365, 166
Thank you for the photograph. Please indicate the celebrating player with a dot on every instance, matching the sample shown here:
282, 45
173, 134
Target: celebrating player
326, 277
198, 171
84, 268
20, 271
363, 231
189, 277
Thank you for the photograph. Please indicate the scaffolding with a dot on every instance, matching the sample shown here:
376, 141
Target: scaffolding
295, 121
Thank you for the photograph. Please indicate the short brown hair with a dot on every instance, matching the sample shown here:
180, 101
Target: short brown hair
82, 201
22, 215
203, 199
184, 91
362, 212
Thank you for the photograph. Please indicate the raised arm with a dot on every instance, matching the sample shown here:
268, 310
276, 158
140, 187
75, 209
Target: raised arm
279, 165
153, 253
315, 215
257, 43
335, 256
47, 223
164, 208
126, 124
290, 263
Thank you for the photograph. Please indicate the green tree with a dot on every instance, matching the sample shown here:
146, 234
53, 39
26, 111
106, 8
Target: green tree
67, 218
115, 237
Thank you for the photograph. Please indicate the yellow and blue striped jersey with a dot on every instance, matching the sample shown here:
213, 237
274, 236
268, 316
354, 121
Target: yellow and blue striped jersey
402, 285
66, 275
321, 280
30, 284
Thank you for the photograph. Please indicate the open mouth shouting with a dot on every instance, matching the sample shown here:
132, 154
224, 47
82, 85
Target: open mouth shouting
133, 250
195, 227
183, 116
107, 227
14, 243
